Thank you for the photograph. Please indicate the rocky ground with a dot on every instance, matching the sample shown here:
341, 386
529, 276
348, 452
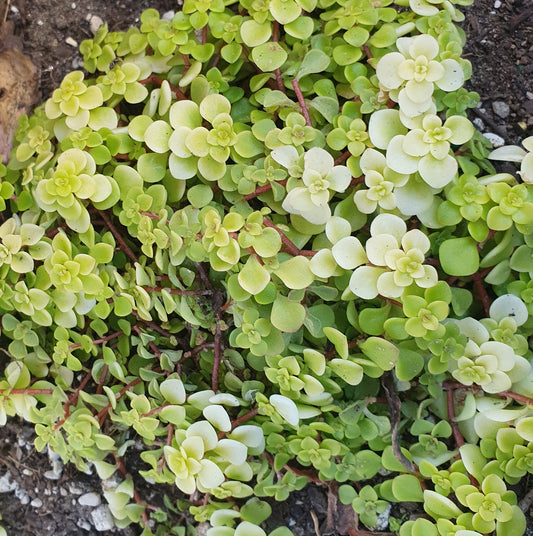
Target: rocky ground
37, 496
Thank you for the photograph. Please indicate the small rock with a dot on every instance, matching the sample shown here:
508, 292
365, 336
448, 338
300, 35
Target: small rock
94, 23
63, 492
14, 9
168, 15
501, 108
22, 496
83, 524
72, 42
202, 528
90, 499
529, 95
497, 141
478, 123
383, 520
74, 490
497, 4
40, 22
102, 519
36, 503
6, 484
27, 472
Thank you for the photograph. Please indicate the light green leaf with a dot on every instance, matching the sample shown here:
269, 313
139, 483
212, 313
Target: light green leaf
269, 56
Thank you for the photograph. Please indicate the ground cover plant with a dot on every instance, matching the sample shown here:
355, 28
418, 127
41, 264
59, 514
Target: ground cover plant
265, 240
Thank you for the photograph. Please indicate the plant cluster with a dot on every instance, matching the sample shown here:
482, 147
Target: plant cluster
263, 241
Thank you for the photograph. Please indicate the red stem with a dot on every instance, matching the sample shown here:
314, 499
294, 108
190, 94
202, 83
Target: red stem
517, 397
118, 237
459, 440
97, 341
289, 245
217, 354
301, 101
179, 292
261, 190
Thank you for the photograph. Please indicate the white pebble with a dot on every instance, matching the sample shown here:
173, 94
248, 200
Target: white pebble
102, 519
14, 9
478, 123
40, 22
6, 484
497, 4
22, 496
72, 42
383, 520
95, 22
497, 141
27, 472
168, 15
83, 524
74, 490
90, 499
36, 503
501, 108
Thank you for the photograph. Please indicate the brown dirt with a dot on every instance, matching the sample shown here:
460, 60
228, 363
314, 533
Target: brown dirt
500, 47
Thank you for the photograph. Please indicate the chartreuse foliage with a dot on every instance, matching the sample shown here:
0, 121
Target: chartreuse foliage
237, 240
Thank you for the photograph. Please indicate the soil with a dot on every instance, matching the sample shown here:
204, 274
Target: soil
500, 48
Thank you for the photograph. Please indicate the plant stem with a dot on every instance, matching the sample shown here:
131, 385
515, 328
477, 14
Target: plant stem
98, 341
301, 101
262, 190
217, 354
157, 80
26, 391
289, 245
342, 158
517, 397
459, 440
179, 292
118, 237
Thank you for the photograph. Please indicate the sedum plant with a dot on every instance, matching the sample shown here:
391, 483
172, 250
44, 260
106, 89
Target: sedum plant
263, 242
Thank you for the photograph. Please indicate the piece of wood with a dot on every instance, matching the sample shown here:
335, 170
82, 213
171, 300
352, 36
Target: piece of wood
4, 7
19, 83
19, 93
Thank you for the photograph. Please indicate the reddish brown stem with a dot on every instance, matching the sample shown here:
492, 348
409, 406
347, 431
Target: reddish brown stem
157, 81
357, 180
308, 473
301, 101
482, 294
26, 391
97, 341
459, 440
100, 387
154, 410
342, 158
118, 237
105, 410
289, 245
261, 190
517, 397
170, 435
179, 292
279, 80
217, 355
